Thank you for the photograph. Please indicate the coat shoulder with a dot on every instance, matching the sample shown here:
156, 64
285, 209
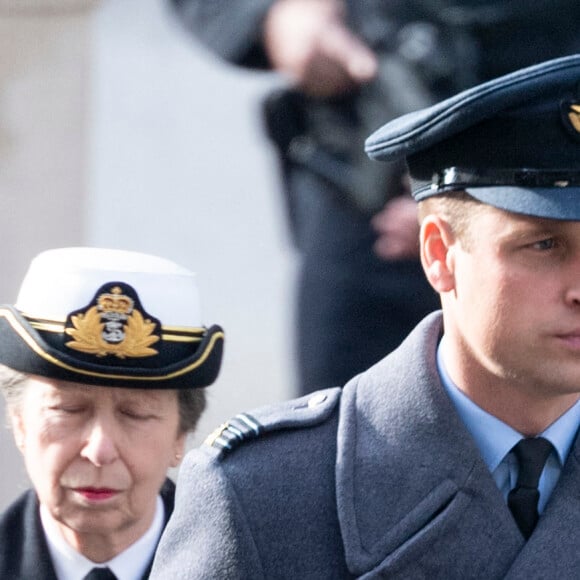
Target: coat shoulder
295, 414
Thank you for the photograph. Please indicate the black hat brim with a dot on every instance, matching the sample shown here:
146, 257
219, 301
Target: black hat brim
24, 349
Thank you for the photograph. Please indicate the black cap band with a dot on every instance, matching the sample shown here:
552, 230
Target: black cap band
457, 178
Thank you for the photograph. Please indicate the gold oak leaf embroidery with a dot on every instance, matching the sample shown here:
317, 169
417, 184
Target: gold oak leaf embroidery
88, 329
139, 336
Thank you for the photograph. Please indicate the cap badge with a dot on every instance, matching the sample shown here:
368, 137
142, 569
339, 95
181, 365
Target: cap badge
113, 323
571, 115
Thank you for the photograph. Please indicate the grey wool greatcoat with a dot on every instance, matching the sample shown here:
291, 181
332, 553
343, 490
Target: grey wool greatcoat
378, 480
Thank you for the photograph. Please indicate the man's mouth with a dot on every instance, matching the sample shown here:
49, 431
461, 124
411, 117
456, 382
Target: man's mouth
572, 339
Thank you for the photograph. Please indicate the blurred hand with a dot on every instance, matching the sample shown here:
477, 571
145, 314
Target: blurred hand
309, 41
398, 230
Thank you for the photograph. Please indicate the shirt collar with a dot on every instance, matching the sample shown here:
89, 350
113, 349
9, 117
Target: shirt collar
130, 564
493, 437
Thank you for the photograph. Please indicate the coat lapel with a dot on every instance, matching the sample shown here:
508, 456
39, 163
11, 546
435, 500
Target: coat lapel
413, 492
168, 497
37, 562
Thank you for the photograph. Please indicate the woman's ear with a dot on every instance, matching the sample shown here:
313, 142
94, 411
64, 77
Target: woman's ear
437, 244
178, 450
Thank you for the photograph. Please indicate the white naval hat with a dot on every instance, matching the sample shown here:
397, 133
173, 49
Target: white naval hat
110, 317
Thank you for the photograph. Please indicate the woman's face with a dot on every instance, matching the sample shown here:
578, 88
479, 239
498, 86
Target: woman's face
98, 456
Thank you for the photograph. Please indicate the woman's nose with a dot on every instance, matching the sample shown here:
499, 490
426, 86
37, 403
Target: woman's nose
100, 446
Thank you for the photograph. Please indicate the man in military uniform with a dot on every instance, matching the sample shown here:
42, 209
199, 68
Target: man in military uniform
351, 65
456, 456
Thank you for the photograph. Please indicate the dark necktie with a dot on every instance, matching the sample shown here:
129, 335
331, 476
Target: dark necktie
100, 574
532, 454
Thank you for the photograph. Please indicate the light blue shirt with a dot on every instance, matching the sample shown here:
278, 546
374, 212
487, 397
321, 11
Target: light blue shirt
495, 439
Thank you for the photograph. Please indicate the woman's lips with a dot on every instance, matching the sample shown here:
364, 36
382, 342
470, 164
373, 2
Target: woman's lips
96, 493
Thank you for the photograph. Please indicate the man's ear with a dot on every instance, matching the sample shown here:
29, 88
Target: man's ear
437, 243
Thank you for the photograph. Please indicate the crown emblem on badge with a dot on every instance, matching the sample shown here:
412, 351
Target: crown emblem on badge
113, 324
115, 301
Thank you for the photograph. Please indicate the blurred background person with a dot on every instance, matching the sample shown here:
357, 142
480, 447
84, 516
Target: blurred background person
103, 361
350, 67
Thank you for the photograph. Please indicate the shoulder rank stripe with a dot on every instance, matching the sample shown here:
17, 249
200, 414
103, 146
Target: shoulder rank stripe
240, 428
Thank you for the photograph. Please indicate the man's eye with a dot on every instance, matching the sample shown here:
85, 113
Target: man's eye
547, 244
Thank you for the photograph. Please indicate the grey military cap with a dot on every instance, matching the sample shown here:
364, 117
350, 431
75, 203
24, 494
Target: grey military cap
513, 142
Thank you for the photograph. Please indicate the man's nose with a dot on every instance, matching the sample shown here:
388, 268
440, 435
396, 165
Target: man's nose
573, 289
